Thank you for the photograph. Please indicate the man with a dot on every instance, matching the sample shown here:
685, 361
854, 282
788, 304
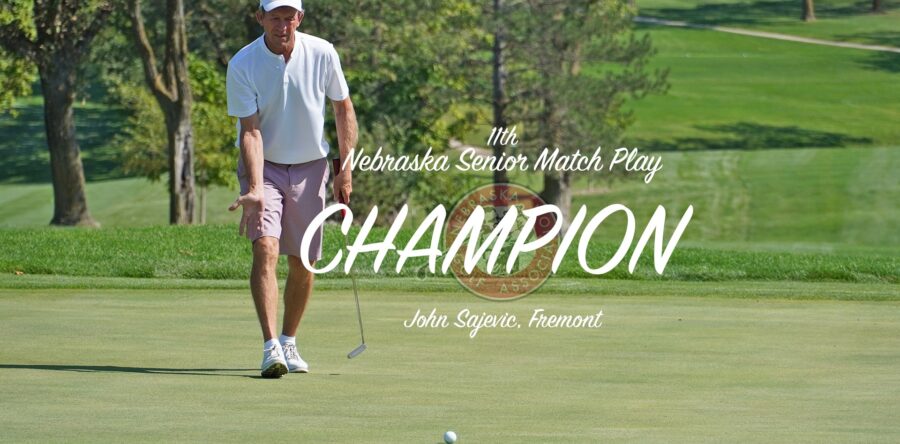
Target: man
277, 87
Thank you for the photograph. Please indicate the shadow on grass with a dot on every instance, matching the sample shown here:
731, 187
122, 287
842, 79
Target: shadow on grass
883, 61
879, 61
756, 12
118, 369
753, 136
23, 143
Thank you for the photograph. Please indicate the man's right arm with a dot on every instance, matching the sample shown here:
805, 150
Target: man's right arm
253, 201
252, 152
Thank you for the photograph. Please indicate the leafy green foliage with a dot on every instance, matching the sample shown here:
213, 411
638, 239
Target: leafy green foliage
16, 77
560, 103
16, 73
408, 67
143, 140
219, 28
214, 130
19, 15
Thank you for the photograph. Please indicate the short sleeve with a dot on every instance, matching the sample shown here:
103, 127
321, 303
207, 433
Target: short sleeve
336, 87
241, 95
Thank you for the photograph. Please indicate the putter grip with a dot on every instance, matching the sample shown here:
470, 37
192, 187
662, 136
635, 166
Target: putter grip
336, 167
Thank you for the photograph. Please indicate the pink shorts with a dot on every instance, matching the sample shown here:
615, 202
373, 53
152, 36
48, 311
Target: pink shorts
294, 195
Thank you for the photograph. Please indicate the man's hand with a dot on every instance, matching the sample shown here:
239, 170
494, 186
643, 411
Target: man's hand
343, 186
254, 205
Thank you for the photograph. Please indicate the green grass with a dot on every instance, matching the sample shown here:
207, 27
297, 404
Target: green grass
839, 20
833, 291
825, 200
737, 92
217, 252
836, 201
156, 365
129, 202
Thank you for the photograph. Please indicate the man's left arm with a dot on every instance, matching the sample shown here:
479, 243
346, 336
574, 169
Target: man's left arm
347, 134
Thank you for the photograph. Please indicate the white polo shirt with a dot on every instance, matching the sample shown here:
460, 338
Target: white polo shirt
290, 98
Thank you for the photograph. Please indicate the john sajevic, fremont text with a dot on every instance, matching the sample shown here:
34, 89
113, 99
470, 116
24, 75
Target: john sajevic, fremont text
473, 321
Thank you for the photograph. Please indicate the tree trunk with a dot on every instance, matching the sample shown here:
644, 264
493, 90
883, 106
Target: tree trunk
558, 191
809, 11
499, 83
181, 133
181, 166
876, 6
69, 201
172, 90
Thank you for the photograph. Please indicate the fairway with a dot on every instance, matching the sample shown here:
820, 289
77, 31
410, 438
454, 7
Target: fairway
181, 365
835, 19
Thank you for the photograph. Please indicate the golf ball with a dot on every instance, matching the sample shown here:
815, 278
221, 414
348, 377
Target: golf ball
450, 437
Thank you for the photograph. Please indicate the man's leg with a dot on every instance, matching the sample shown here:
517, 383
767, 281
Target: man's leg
266, 248
264, 285
264, 288
302, 202
296, 294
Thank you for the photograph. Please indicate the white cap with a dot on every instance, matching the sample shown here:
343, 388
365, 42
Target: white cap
268, 5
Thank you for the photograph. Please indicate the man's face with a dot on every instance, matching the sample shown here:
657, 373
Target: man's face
280, 23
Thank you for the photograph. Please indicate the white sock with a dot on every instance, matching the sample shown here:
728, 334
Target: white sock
287, 339
271, 343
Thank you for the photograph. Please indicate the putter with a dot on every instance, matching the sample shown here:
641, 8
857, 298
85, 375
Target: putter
336, 166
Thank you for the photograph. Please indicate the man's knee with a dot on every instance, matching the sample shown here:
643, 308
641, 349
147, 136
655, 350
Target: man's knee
295, 265
265, 250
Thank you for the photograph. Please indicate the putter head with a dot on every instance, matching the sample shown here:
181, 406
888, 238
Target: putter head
356, 351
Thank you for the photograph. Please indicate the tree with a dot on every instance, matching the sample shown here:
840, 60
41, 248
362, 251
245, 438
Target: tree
170, 85
143, 152
56, 35
582, 65
216, 154
809, 11
877, 6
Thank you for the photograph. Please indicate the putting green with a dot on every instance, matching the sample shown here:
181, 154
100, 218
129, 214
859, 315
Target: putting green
181, 365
